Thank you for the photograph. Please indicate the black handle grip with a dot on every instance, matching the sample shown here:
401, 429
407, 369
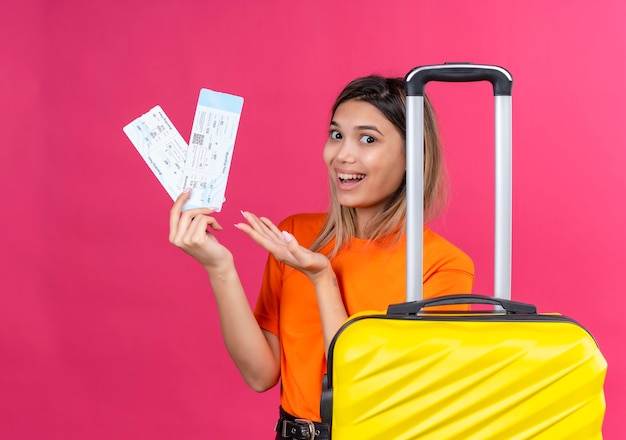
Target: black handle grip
414, 307
499, 77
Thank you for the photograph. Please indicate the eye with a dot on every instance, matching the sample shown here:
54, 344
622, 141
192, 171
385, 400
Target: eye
367, 139
334, 134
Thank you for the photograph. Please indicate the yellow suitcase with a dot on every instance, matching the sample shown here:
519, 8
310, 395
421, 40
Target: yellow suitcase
514, 374
504, 374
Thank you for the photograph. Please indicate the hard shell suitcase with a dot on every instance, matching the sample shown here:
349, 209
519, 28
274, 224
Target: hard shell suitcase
510, 373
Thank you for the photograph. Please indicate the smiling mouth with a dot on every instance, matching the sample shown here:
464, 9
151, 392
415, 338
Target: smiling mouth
350, 178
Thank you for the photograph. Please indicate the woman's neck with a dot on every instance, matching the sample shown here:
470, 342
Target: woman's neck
364, 217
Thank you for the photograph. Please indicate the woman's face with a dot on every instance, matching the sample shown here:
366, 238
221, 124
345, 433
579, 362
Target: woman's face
365, 157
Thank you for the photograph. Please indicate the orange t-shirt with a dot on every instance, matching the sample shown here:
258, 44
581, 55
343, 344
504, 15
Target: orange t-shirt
370, 277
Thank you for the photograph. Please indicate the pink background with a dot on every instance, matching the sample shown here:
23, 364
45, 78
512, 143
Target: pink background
107, 331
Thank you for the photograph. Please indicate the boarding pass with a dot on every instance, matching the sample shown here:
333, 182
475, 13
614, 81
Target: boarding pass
203, 164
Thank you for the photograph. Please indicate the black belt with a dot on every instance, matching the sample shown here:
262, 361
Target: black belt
290, 427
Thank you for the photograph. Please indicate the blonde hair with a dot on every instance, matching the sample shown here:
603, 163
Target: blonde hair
388, 96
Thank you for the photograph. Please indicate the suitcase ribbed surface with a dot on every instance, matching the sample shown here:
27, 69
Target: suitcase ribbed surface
466, 379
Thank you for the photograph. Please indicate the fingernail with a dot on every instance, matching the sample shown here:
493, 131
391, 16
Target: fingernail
287, 236
244, 214
237, 226
186, 190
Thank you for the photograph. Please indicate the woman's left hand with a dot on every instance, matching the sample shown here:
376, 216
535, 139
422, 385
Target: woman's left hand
283, 246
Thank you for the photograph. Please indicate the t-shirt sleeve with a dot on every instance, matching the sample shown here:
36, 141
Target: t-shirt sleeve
448, 282
450, 271
267, 309
267, 306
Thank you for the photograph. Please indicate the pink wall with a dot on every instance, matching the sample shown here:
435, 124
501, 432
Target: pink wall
106, 331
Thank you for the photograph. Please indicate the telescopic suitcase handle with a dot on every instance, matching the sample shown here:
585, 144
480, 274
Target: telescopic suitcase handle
499, 77
415, 82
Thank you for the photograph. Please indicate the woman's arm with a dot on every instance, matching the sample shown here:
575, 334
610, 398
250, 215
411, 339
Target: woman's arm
254, 351
315, 266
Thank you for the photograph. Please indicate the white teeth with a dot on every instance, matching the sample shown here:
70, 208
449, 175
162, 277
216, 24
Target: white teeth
343, 176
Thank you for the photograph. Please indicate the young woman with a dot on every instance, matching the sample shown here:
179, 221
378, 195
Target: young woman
325, 267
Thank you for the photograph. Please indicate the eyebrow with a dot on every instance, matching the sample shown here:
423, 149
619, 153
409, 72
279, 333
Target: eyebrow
361, 127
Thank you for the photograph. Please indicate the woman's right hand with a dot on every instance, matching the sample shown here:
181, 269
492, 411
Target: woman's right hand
189, 231
284, 246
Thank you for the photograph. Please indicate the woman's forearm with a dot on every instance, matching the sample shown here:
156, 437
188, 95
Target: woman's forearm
332, 310
256, 357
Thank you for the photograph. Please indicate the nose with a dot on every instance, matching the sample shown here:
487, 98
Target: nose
346, 152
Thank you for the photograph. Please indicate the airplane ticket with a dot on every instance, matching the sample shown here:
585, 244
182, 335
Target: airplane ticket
211, 147
204, 164
162, 147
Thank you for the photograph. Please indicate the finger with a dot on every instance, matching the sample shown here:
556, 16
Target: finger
213, 224
276, 246
272, 227
179, 204
256, 224
301, 254
178, 227
259, 238
270, 230
293, 246
183, 197
307, 260
199, 230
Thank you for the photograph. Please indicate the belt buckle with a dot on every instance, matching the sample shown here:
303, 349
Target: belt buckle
309, 424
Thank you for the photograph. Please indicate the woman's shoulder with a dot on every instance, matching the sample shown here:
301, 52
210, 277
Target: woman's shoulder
443, 250
304, 219
305, 227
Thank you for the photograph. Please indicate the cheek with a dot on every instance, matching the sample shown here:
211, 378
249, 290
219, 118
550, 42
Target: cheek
328, 154
395, 172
